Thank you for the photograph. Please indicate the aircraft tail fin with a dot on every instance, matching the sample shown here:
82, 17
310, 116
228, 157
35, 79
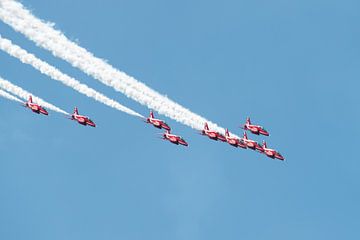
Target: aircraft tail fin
264, 144
30, 99
248, 121
151, 114
76, 111
206, 127
245, 135
227, 133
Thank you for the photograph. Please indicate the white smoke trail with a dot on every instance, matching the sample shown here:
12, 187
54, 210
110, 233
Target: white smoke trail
9, 96
18, 91
45, 36
25, 57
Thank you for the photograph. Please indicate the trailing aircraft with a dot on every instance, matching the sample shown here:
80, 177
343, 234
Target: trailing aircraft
83, 120
212, 134
233, 141
250, 143
175, 139
36, 108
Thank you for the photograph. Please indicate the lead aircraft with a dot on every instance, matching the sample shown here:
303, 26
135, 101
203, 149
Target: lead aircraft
36, 108
271, 153
83, 120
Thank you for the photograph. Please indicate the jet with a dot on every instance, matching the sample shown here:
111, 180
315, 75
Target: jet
36, 108
271, 153
175, 139
255, 129
233, 141
157, 122
212, 134
83, 120
250, 143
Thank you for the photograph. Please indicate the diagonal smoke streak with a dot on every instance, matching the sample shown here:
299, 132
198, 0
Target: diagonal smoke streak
9, 96
45, 36
25, 57
18, 91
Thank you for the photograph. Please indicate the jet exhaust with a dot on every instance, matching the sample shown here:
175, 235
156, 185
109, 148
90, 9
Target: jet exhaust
44, 35
9, 96
55, 74
21, 93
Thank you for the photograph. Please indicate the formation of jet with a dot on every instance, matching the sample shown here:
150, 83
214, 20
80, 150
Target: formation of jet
36, 108
167, 135
243, 142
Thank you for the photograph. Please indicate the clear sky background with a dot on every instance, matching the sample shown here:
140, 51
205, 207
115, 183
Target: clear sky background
292, 65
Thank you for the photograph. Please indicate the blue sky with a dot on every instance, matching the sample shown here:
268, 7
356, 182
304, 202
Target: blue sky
293, 66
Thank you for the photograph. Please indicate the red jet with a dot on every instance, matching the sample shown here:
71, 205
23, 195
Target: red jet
255, 129
83, 120
212, 134
36, 108
175, 139
271, 153
233, 141
251, 143
157, 122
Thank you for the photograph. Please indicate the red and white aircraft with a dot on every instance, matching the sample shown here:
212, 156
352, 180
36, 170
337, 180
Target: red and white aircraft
157, 122
36, 108
83, 120
255, 129
233, 141
271, 153
251, 143
212, 134
175, 139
